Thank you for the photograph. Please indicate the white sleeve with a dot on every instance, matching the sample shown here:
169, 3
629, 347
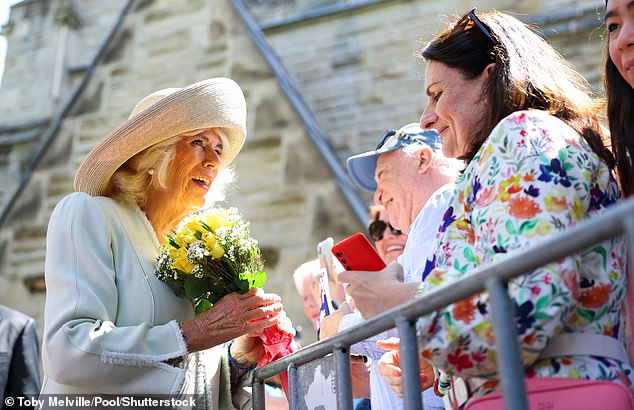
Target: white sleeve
368, 346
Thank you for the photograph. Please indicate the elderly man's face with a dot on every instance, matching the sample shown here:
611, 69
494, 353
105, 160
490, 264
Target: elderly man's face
397, 179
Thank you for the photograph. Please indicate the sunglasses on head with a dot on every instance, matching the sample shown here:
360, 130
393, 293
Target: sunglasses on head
399, 136
470, 19
377, 228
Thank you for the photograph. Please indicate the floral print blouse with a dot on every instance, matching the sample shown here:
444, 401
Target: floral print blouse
532, 178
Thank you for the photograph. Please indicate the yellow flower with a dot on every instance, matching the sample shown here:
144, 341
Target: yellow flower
543, 228
555, 204
181, 262
209, 239
215, 221
185, 237
492, 356
486, 153
436, 277
193, 225
217, 251
577, 212
211, 243
508, 187
480, 330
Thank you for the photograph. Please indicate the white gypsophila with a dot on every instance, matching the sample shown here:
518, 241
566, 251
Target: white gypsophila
164, 265
198, 271
197, 252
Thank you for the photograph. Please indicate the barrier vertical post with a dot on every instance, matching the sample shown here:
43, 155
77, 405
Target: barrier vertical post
508, 351
293, 387
343, 377
408, 355
257, 394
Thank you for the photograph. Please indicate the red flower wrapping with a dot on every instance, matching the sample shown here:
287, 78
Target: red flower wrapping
277, 343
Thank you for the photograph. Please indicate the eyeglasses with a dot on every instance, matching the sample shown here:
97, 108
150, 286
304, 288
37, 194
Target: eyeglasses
377, 228
428, 137
470, 17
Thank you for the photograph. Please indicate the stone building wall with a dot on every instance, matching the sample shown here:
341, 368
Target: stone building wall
282, 185
359, 69
353, 62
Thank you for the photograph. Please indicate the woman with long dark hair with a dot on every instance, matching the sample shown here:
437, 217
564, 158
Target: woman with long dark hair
619, 80
528, 128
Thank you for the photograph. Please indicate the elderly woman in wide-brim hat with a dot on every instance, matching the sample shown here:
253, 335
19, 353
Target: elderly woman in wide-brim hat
110, 325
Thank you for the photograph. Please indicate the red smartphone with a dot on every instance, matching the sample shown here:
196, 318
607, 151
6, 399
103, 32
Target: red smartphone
357, 253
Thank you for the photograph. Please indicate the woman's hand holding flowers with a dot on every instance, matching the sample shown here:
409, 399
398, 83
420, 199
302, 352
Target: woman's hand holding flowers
212, 261
232, 316
249, 348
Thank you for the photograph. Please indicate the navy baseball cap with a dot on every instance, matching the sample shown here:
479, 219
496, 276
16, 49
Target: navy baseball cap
363, 166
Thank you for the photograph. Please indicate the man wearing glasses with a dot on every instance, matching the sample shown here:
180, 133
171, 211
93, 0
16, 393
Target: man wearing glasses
413, 180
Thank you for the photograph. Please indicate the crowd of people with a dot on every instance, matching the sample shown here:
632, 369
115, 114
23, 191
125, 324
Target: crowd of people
510, 149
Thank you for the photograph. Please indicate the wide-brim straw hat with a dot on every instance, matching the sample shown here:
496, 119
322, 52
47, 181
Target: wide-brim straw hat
213, 103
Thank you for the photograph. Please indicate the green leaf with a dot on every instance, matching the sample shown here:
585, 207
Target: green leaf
527, 226
601, 251
586, 314
201, 306
468, 254
510, 228
195, 287
173, 243
259, 279
541, 303
198, 235
542, 316
254, 280
240, 285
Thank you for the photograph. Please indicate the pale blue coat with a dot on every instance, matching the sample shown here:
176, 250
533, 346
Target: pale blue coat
109, 322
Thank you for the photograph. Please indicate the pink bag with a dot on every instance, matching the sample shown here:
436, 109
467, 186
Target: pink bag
563, 394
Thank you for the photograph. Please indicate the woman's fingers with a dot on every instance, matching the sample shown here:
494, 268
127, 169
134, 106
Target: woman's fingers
256, 297
253, 329
232, 316
388, 368
427, 374
392, 343
391, 365
263, 311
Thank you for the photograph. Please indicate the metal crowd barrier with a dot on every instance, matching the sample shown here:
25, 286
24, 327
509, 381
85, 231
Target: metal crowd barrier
617, 220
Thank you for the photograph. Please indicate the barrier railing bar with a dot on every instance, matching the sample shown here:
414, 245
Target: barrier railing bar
293, 387
580, 237
343, 377
508, 354
408, 359
257, 394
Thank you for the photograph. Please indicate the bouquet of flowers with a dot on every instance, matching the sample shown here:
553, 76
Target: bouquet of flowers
212, 254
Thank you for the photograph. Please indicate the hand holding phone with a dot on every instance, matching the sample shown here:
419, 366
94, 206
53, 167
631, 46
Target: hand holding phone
357, 253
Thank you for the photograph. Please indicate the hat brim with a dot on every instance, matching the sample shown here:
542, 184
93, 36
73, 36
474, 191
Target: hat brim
362, 167
213, 103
